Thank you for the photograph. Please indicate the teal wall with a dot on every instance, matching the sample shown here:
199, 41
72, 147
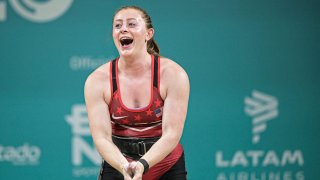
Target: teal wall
253, 68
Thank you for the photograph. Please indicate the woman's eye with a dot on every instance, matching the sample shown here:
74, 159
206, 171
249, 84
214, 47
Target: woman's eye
117, 26
132, 24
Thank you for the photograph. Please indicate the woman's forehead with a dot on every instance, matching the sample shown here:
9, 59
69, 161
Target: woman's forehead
127, 14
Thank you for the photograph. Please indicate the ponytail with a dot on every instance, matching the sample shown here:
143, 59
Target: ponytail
152, 47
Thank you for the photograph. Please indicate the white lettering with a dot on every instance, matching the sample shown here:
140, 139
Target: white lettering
255, 157
239, 159
259, 158
256, 176
219, 160
243, 176
271, 159
274, 176
21, 155
82, 147
289, 158
222, 176
86, 62
79, 120
287, 175
85, 171
264, 175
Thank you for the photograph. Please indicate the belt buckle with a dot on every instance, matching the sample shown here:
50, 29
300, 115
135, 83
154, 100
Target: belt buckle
142, 146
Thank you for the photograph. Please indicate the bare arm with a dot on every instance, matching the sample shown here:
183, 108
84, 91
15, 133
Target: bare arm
99, 121
174, 114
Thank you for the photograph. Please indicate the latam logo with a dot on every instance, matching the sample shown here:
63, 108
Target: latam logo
262, 108
271, 163
39, 12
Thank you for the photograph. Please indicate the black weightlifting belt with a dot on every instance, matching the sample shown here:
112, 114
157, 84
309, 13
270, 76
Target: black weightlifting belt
134, 147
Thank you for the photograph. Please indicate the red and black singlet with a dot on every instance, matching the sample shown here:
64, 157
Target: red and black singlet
142, 122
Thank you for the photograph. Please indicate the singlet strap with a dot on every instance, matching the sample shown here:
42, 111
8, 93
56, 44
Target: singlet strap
156, 71
114, 77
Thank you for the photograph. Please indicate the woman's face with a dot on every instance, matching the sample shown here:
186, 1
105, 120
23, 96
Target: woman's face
130, 33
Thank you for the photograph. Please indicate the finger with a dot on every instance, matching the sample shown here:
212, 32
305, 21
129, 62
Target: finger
127, 177
133, 165
126, 166
137, 177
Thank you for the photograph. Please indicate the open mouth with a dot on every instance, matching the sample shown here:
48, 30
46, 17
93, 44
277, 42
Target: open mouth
126, 41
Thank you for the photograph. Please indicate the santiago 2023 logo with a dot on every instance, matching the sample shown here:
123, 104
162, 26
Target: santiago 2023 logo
39, 12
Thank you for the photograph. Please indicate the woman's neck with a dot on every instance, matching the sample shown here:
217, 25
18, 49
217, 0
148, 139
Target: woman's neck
135, 65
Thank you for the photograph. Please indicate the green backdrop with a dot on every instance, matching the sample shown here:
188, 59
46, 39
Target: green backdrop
253, 68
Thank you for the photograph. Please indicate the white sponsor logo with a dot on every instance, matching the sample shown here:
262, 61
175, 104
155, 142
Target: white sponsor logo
262, 108
273, 175
118, 117
260, 164
260, 158
80, 146
38, 12
22, 155
87, 62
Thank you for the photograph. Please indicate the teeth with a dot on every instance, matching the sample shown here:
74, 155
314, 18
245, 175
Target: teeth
123, 38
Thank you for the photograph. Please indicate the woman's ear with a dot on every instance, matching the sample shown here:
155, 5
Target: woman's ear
150, 33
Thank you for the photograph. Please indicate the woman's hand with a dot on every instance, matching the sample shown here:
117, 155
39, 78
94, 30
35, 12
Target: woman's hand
133, 171
128, 171
138, 170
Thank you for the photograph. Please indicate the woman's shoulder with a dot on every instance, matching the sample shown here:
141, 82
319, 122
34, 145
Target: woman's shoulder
171, 69
172, 77
99, 78
100, 73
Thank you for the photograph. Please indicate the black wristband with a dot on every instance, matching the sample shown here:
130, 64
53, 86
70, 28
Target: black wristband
145, 165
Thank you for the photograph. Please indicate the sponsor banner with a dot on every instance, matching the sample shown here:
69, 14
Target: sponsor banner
253, 66
260, 164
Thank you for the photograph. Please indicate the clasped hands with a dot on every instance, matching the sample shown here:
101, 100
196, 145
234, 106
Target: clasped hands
133, 171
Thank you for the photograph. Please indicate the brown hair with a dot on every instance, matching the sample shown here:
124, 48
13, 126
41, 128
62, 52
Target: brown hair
152, 46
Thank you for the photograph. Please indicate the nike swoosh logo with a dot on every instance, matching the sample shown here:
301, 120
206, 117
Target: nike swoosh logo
118, 117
